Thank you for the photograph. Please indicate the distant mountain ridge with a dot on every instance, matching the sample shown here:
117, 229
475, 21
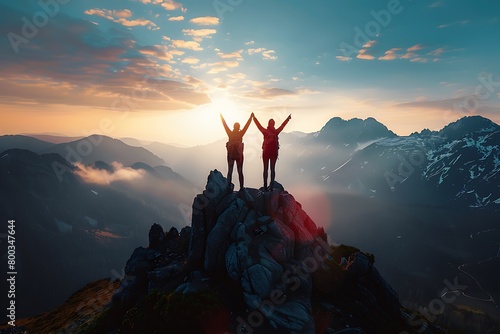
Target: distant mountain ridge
456, 166
103, 148
23, 142
353, 131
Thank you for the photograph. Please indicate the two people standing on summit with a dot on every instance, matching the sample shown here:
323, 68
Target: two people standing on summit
270, 148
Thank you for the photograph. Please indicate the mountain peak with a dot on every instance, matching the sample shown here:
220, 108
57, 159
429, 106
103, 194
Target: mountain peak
353, 131
468, 125
251, 254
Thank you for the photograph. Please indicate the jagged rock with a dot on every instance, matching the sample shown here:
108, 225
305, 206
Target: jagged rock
140, 261
205, 215
156, 236
198, 238
262, 256
218, 237
266, 202
183, 242
172, 234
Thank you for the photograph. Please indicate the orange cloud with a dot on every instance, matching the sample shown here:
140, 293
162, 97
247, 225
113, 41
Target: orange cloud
176, 18
365, 56
205, 21
390, 54
103, 177
120, 16
235, 54
190, 60
266, 54
172, 5
414, 48
222, 66
190, 45
369, 44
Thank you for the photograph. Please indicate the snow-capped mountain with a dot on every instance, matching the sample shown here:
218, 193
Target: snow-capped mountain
456, 166
466, 168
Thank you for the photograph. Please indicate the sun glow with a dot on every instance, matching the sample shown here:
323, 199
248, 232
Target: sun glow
223, 103
200, 125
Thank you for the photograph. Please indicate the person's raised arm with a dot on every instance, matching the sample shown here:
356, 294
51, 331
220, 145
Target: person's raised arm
258, 124
245, 128
228, 131
284, 123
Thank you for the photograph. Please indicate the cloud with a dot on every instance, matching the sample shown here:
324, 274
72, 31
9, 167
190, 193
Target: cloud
250, 43
222, 66
369, 44
151, 1
390, 54
205, 21
414, 48
461, 22
418, 60
269, 55
343, 58
189, 45
190, 60
437, 52
92, 68
408, 55
362, 53
365, 56
230, 55
120, 16
253, 51
160, 52
172, 5
269, 93
192, 81
176, 18
266, 54
202, 33
122, 13
103, 177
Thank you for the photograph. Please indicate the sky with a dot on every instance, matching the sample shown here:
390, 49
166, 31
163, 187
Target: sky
163, 70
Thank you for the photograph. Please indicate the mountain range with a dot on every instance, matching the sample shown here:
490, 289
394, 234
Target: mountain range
427, 204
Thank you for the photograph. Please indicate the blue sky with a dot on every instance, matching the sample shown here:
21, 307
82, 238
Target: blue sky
154, 68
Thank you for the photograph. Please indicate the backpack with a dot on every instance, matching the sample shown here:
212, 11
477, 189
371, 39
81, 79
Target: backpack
234, 149
271, 143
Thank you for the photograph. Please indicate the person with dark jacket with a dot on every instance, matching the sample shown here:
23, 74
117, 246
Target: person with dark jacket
234, 148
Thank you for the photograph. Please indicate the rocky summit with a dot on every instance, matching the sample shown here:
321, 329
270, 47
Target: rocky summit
252, 261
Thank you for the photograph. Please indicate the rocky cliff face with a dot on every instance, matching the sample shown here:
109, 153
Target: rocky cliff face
251, 262
269, 267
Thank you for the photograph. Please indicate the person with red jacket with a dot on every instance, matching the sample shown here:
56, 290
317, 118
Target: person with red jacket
270, 147
234, 148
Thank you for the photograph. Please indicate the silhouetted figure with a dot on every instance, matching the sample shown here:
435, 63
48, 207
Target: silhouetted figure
235, 149
270, 147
